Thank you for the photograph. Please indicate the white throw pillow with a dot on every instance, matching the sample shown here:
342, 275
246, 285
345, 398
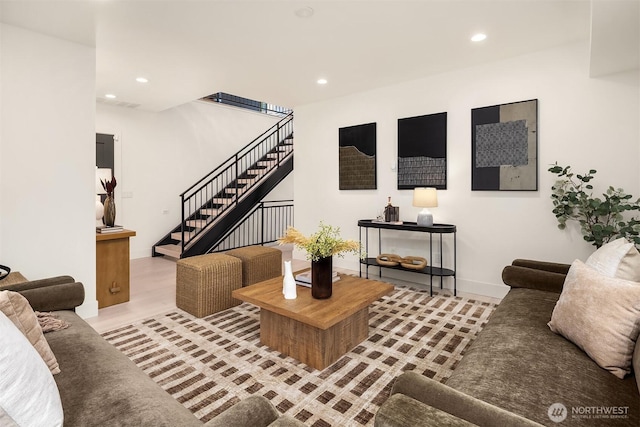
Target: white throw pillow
619, 259
28, 393
601, 315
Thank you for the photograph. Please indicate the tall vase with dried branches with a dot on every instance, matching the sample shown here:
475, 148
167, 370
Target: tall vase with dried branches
109, 203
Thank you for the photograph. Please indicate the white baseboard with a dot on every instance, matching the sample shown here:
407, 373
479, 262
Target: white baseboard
87, 309
486, 289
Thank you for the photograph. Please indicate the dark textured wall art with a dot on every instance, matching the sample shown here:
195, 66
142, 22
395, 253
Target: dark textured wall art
357, 157
422, 152
504, 152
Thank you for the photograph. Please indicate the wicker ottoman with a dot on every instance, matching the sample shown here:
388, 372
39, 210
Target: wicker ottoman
204, 283
258, 263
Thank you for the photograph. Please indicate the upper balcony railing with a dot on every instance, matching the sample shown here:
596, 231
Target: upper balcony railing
249, 104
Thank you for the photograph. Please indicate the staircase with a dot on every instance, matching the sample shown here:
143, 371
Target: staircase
218, 201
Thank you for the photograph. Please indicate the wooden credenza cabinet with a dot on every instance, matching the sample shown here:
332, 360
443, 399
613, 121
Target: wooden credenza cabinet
112, 267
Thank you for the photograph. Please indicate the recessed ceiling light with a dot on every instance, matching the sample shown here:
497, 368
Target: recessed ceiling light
110, 96
478, 37
142, 80
304, 12
322, 81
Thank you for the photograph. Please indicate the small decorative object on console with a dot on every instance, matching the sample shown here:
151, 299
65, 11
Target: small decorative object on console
388, 260
410, 262
413, 262
391, 213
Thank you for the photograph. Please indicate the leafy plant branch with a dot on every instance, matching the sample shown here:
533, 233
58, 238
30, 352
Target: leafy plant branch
601, 220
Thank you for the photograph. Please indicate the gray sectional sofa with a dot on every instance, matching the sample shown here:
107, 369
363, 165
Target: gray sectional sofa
99, 386
518, 372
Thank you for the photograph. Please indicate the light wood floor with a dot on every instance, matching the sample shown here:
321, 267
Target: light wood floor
153, 291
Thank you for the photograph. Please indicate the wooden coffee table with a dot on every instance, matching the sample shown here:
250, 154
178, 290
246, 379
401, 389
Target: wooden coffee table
315, 332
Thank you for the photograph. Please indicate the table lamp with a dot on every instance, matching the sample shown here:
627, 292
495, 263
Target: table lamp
425, 198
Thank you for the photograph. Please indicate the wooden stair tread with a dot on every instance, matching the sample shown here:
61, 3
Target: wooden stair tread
172, 251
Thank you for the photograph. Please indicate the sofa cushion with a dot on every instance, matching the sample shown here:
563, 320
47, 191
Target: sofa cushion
550, 369
17, 309
100, 386
601, 315
619, 259
28, 393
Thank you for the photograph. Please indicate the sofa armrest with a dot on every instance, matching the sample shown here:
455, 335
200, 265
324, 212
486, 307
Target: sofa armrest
55, 293
33, 284
402, 411
456, 403
253, 411
543, 276
552, 267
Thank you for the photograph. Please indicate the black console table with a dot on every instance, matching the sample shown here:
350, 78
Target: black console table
431, 269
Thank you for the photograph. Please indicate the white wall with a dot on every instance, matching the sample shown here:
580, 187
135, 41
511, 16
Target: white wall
159, 155
46, 158
586, 123
1, 127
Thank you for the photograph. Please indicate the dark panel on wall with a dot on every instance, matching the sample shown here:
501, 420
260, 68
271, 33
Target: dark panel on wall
104, 150
422, 151
357, 157
483, 178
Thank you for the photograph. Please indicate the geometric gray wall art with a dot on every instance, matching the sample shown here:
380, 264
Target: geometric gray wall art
500, 144
412, 170
504, 154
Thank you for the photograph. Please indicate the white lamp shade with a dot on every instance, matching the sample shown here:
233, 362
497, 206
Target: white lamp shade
103, 174
425, 197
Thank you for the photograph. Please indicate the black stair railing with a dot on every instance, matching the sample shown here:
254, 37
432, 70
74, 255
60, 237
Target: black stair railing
265, 223
221, 189
250, 104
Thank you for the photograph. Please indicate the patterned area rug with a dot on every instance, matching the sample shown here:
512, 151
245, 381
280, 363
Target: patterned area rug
212, 363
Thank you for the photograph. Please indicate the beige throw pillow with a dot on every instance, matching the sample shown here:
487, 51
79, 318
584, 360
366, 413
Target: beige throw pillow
601, 315
17, 309
619, 259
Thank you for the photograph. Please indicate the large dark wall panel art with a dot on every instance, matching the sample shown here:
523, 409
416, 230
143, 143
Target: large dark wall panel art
422, 152
504, 152
357, 158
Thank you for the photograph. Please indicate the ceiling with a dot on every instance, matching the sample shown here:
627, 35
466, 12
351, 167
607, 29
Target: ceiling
263, 50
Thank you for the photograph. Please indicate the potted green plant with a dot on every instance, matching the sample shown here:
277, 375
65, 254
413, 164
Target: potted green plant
321, 247
601, 219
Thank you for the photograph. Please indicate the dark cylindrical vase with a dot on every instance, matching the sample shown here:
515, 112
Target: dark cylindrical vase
321, 278
109, 212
